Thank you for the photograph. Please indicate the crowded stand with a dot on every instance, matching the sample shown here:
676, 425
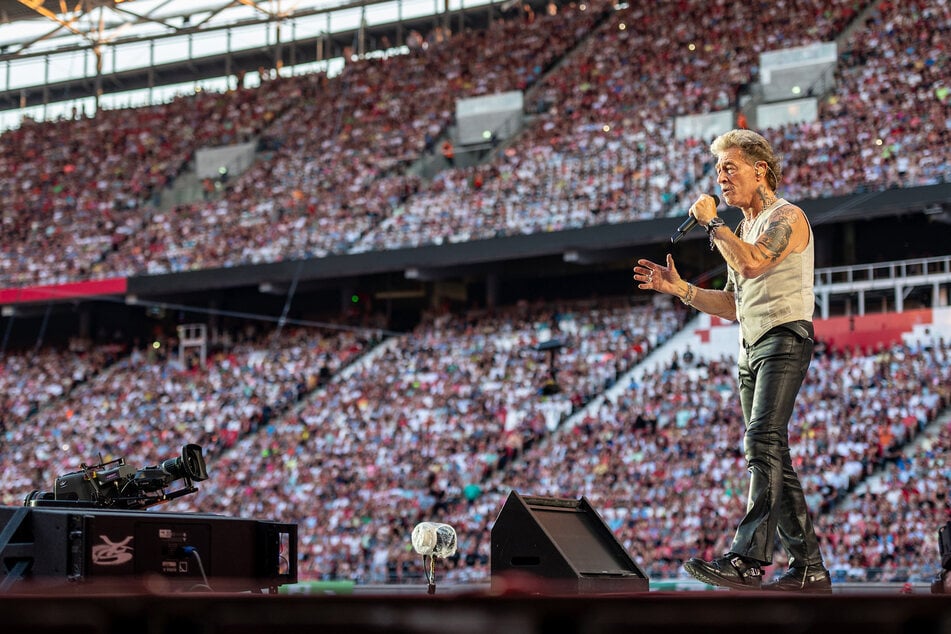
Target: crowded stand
881, 532
76, 190
856, 409
423, 425
604, 151
31, 380
600, 149
870, 135
661, 460
147, 404
338, 167
441, 424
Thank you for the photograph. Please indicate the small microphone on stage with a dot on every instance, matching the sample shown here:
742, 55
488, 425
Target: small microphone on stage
689, 223
435, 540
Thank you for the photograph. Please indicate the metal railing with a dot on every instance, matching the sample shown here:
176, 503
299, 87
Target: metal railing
899, 276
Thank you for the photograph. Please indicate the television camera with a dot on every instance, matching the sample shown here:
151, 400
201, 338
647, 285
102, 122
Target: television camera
116, 485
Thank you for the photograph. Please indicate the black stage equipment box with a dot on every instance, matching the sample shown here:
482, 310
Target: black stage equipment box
44, 547
563, 545
944, 545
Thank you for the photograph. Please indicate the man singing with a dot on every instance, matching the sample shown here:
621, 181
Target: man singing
769, 291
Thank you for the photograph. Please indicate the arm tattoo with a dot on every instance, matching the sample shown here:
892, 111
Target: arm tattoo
775, 239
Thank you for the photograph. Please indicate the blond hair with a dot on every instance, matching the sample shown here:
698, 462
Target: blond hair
755, 148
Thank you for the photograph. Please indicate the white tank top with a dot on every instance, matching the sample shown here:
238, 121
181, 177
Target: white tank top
781, 295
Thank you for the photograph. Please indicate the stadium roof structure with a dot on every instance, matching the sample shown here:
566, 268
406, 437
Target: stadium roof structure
103, 21
54, 51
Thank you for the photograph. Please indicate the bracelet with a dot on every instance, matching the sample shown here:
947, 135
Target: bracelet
687, 299
711, 229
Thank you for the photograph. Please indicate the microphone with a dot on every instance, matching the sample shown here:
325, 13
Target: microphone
433, 539
689, 224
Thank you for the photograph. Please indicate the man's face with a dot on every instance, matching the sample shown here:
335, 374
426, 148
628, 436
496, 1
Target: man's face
736, 178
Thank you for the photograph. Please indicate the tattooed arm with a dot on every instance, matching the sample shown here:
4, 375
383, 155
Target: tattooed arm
787, 231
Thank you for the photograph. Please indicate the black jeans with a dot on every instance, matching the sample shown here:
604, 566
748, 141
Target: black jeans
771, 372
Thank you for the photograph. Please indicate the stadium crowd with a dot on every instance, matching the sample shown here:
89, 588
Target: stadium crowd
663, 460
425, 423
872, 135
31, 380
604, 152
79, 189
336, 177
881, 532
357, 441
147, 403
443, 423
342, 150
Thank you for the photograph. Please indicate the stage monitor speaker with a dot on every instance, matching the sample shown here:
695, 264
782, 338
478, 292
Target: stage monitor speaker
95, 548
562, 543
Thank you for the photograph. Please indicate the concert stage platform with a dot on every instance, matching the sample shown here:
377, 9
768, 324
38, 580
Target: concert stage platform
882, 611
73, 571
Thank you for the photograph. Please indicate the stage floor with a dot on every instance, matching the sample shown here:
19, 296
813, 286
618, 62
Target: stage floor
878, 610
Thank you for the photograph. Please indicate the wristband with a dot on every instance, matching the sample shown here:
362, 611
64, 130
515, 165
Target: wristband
711, 228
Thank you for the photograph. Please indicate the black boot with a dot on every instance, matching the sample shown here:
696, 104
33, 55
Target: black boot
808, 579
729, 571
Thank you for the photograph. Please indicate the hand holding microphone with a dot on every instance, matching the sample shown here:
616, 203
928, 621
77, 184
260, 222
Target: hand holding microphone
690, 223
